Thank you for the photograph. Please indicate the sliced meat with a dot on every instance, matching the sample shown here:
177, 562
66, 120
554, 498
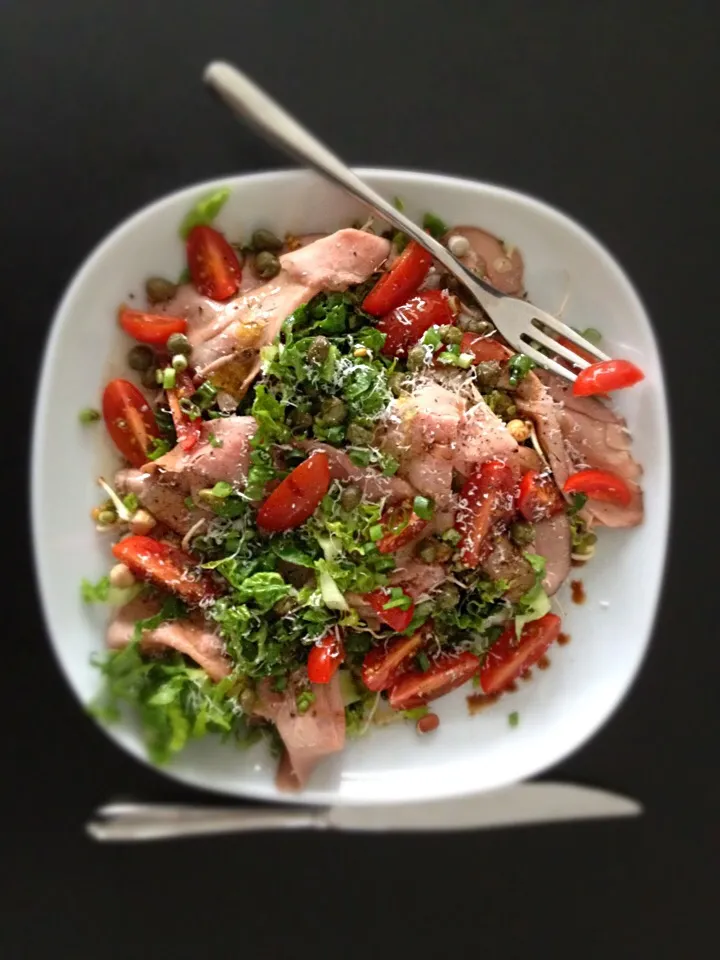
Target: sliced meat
482, 435
506, 562
373, 484
417, 579
430, 415
501, 266
162, 496
308, 737
230, 349
192, 637
597, 437
228, 458
553, 541
431, 474
534, 400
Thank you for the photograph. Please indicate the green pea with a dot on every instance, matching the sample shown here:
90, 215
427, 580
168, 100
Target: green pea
319, 350
488, 374
158, 289
359, 436
350, 497
266, 240
140, 357
333, 412
416, 358
447, 597
178, 343
522, 533
267, 265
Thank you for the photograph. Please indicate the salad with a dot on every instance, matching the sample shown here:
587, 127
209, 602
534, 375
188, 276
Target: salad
343, 495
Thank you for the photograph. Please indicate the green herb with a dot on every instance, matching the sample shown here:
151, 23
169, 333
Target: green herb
361, 458
423, 507
131, 502
433, 338
398, 599
514, 718
423, 661
158, 448
535, 603
376, 532
95, 592
577, 503
519, 366
222, 489
214, 441
189, 503
205, 395
279, 684
204, 211
304, 701
434, 225
389, 465
88, 415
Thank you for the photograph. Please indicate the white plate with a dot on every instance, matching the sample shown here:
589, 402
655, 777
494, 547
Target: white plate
562, 706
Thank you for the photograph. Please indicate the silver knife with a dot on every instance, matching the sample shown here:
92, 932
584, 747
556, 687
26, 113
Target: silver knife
523, 804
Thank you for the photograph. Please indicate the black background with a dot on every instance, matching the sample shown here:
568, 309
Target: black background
606, 110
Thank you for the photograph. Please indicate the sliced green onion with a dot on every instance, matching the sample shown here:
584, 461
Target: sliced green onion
423, 661
222, 489
168, 378
376, 532
514, 718
423, 507
179, 362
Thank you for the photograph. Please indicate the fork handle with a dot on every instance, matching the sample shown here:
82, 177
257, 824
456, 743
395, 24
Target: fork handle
254, 106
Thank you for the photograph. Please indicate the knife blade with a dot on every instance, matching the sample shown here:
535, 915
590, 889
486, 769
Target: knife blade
519, 805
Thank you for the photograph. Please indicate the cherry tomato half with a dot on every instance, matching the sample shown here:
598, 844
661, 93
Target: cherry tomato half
539, 497
400, 282
402, 525
188, 431
295, 499
152, 328
446, 673
166, 567
507, 658
406, 324
606, 376
129, 420
324, 659
484, 348
213, 264
383, 664
486, 497
599, 485
396, 618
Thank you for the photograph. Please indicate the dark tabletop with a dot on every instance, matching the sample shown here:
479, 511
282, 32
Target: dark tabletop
604, 111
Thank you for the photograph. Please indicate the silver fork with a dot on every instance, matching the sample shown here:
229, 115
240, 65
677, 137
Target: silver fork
518, 321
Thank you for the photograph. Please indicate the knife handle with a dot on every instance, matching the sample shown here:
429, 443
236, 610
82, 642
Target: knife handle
132, 822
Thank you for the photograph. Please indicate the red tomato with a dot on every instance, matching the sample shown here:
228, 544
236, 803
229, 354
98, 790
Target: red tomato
395, 618
484, 348
599, 485
508, 658
606, 376
213, 264
585, 354
153, 328
539, 497
384, 664
402, 525
166, 567
486, 498
129, 420
405, 325
400, 282
324, 659
446, 673
296, 498
188, 431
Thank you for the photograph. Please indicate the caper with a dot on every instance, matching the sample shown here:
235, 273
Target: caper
450, 334
284, 606
148, 377
427, 553
397, 384
472, 324
319, 350
140, 357
301, 419
107, 517
267, 265
333, 412
488, 374
178, 343
501, 404
416, 358
158, 289
350, 497
447, 597
266, 240
586, 543
359, 436
522, 533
